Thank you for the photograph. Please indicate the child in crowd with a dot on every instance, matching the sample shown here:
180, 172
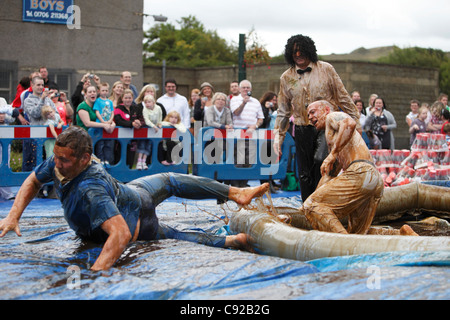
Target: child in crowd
152, 114
52, 119
415, 106
65, 111
8, 114
166, 147
103, 107
418, 125
435, 125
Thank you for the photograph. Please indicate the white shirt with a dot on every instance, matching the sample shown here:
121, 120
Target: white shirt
179, 104
249, 115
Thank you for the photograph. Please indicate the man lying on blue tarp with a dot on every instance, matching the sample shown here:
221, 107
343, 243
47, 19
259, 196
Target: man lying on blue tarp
100, 208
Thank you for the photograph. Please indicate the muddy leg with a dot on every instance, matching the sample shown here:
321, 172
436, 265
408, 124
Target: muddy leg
325, 220
405, 230
295, 218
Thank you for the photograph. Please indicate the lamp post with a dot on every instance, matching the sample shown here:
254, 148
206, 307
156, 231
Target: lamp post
156, 17
242, 67
159, 18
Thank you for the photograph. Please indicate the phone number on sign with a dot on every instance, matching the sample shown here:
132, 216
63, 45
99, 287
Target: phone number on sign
52, 15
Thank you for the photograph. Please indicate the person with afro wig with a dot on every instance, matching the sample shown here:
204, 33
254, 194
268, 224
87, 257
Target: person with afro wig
307, 80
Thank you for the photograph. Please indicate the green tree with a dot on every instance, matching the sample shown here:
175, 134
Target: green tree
420, 57
444, 76
188, 46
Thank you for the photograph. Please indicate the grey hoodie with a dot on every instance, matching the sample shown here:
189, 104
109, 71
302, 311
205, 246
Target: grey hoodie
33, 106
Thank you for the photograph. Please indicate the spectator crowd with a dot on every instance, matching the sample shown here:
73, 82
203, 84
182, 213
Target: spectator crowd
96, 104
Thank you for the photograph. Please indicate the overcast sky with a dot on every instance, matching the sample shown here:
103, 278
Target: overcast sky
335, 26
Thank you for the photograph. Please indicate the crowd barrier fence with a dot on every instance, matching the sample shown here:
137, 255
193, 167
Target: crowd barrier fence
196, 152
227, 165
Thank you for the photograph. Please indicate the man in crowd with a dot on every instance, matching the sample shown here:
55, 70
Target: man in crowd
99, 208
234, 91
49, 84
174, 101
306, 81
32, 107
248, 114
126, 78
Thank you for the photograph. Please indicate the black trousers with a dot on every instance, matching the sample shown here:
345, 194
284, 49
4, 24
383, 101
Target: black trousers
311, 150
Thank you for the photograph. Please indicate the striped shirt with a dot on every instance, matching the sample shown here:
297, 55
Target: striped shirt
249, 115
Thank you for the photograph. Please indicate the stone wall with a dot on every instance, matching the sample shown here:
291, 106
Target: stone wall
396, 84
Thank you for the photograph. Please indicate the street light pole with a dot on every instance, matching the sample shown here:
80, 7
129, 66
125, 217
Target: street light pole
157, 18
242, 66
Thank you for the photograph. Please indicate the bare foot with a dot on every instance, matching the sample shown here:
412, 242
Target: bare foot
284, 218
244, 196
239, 241
407, 231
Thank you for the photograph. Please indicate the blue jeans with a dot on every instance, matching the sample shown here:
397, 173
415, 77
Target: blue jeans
104, 150
144, 146
156, 188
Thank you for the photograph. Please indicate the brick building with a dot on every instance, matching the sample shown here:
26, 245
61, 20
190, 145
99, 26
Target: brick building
104, 38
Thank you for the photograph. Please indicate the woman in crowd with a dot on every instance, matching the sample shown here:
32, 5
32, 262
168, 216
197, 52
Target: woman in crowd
149, 90
362, 112
362, 120
80, 91
269, 104
195, 95
381, 122
116, 93
128, 115
218, 116
370, 103
85, 115
206, 95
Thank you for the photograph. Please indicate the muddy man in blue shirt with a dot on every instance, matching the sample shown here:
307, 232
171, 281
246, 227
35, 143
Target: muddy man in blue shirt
100, 208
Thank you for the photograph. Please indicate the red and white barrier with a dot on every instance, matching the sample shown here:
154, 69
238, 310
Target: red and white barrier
24, 132
36, 132
244, 134
129, 133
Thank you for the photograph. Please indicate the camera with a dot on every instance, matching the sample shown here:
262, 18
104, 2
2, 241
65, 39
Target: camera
249, 93
91, 76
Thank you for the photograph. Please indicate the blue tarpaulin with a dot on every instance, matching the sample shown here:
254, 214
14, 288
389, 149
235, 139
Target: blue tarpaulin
50, 262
